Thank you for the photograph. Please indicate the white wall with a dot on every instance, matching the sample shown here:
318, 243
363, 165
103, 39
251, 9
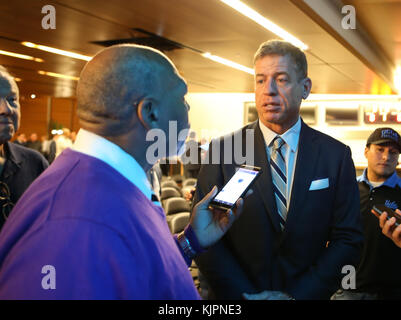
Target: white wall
215, 114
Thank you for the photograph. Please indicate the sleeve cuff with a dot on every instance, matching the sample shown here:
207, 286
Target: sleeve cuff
188, 244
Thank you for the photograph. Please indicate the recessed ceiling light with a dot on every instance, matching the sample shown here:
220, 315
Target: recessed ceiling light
58, 75
57, 51
20, 56
266, 23
228, 63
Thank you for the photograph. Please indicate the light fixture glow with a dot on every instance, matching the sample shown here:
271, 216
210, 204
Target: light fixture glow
267, 24
228, 63
57, 51
57, 75
20, 56
397, 79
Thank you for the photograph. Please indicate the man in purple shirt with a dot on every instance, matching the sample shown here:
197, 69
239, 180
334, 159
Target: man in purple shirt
87, 228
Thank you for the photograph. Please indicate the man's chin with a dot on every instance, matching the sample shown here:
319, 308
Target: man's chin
5, 137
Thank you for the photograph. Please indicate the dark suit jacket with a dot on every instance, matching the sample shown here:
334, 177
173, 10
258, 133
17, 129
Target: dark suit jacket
22, 167
256, 255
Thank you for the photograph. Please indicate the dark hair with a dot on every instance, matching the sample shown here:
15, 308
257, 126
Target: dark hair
282, 48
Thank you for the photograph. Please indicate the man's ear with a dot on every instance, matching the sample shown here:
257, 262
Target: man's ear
148, 113
307, 86
366, 152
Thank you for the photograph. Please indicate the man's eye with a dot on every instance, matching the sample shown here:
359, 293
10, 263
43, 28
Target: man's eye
281, 80
259, 81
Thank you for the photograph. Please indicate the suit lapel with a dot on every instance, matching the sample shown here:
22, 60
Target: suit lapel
306, 163
264, 182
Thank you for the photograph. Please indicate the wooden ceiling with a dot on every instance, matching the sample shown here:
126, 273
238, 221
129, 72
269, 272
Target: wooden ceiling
198, 25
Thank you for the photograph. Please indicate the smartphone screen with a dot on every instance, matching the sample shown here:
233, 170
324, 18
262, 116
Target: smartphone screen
236, 187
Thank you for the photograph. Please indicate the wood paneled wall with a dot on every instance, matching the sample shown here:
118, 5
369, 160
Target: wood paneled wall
41, 114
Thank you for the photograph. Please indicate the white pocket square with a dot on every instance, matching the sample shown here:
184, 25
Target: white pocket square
319, 184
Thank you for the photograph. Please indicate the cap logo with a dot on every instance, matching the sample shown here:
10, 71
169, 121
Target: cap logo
389, 134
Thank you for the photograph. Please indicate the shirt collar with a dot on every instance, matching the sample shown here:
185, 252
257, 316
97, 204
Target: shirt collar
291, 136
391, 182
98, 147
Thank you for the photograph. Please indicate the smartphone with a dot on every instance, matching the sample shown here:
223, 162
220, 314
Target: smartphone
379, 209
236, 187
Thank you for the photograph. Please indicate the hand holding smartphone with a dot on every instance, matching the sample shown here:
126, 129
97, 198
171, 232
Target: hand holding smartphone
379, 209
235, 188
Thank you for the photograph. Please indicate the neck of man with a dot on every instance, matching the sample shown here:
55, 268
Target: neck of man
138, 153
280, 128
373, 177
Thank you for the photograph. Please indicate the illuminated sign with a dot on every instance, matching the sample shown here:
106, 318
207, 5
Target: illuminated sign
385, 113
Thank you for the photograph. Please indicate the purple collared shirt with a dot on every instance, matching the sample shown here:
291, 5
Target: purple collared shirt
100, 235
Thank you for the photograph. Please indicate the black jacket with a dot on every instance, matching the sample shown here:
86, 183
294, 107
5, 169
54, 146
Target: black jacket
22, 167
256, 255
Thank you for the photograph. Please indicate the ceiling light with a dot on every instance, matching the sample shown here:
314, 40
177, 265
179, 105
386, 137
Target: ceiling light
57, 51
33, 96
397, 79
228, 63
58, 75
20, 56
267, 24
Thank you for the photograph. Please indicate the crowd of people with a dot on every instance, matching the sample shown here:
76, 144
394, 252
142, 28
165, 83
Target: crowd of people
51, 147
94, 215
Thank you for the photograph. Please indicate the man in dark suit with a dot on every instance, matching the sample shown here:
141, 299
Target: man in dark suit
19, 166
301, 225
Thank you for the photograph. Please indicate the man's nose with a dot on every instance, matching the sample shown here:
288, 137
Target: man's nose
271, 87
5, 107
386, 155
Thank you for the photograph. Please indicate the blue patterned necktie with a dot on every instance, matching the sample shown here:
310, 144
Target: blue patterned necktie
279, 178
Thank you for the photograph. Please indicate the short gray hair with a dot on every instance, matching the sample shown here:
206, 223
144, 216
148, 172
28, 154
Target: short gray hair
282, 48
5, 72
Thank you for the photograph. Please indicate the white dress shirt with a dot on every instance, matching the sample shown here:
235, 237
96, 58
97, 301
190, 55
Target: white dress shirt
289, 150
98, 147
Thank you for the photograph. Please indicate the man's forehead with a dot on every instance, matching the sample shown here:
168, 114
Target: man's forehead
177, 81
388, 144
7, 84
276, 63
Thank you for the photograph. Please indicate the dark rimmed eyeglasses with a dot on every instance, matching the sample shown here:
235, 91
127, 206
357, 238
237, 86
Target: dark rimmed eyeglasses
6, 204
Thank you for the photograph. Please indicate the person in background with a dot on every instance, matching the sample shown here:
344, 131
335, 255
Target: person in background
73, 136
378, 274
90, 217
305, 196
63, 141
48, 148
34, 143
19, 166
21, 139
191, 159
